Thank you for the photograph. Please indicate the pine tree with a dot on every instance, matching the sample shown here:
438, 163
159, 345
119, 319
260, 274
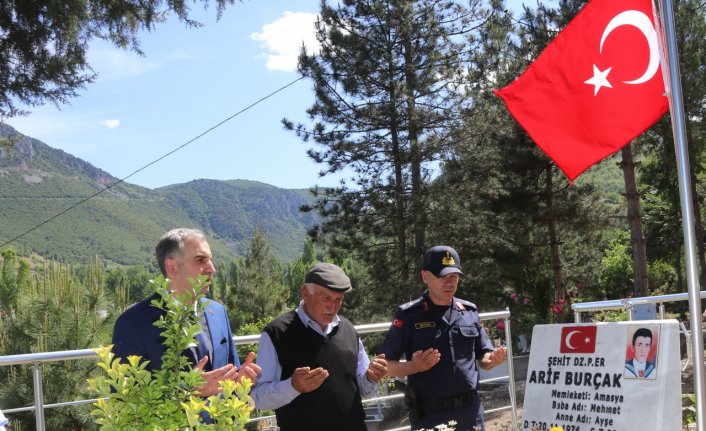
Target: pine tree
258, 292
386, 84
296, 271
14, 278
56, 311
521, 229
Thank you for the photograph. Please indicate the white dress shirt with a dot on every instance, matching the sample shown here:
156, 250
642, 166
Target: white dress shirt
270, 392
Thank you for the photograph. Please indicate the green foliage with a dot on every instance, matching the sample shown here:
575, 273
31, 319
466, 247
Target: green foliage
605, 177
234, 210
133, 398
659, 171
57, 309
688, 411
366, 302
296, 271
617, 273
610, 316
128, 284
252, 328
7, 143
255, 289
14, 278
523, 315
663, 278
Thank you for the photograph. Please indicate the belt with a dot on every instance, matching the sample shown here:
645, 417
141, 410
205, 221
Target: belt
444, 404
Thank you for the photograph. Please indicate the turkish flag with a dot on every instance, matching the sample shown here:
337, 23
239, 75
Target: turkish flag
596, 87
578, 339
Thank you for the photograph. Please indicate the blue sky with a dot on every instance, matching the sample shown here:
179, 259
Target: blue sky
190, 79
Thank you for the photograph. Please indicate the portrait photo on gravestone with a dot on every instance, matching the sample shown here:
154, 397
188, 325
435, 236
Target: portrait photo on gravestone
641, 352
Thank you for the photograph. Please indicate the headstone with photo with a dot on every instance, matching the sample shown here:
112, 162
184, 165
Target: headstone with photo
619, 376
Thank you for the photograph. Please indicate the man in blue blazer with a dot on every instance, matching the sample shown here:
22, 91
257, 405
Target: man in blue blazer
183, 255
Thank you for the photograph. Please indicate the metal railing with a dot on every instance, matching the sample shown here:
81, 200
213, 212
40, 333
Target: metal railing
629, 304
37, 359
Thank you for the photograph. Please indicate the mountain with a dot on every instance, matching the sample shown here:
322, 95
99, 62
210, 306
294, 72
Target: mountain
122, 224
233, 209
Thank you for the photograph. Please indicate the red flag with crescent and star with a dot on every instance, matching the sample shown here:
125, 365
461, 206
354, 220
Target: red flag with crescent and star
578, 339
596, 87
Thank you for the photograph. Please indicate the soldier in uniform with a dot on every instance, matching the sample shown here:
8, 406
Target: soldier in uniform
441, 337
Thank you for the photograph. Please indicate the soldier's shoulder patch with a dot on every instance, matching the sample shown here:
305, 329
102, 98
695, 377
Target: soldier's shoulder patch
411, 304
463, 304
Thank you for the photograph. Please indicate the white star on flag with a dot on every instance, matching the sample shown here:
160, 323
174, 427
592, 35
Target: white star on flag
599, 79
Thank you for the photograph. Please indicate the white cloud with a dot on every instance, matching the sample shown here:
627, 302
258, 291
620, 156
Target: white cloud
282, 39
110, 123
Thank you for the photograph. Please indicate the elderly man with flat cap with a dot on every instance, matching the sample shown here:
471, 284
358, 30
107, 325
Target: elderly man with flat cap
441, 337
314, 366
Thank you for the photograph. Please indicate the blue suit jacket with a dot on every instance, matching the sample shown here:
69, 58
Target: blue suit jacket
135, 334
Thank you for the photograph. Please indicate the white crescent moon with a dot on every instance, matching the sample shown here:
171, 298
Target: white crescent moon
643, 23
567, 340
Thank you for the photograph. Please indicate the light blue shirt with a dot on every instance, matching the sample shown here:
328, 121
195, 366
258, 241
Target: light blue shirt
270, 392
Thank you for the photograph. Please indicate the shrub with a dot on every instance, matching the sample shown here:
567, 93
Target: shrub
134, 398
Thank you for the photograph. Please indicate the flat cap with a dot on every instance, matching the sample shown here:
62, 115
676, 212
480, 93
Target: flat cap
329, 276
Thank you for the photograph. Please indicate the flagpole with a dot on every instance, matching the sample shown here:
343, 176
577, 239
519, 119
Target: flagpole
676, 107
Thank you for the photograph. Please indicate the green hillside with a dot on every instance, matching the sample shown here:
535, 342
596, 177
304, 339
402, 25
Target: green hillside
233, 209
122, 224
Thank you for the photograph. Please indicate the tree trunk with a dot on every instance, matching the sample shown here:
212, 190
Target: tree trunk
418, 213
400, 219
637, 235
557, 267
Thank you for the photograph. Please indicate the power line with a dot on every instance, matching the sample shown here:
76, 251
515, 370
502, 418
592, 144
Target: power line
210, 129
